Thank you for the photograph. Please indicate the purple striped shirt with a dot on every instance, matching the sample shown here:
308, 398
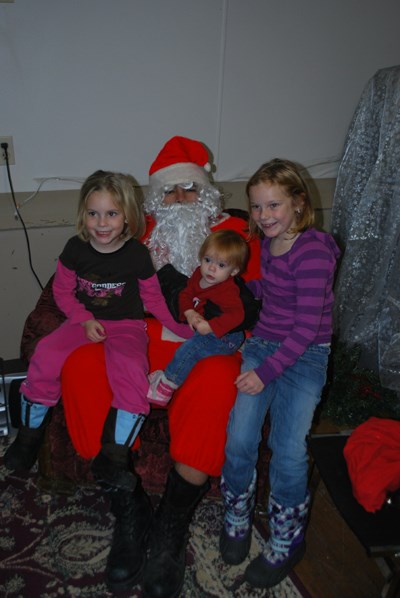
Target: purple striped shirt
297, 299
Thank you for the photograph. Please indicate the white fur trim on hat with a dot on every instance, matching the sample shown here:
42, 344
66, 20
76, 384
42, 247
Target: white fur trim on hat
185, 172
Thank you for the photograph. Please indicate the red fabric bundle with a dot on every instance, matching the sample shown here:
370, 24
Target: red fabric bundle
372, 454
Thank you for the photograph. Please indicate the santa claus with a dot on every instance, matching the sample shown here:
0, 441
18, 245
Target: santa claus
183, 206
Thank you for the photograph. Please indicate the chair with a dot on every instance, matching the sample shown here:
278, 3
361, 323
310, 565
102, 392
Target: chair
379, 532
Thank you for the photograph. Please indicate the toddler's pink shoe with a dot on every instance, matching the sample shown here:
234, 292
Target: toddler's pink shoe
160, 390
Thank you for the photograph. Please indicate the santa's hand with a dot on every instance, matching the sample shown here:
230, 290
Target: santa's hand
95, 331
249, 383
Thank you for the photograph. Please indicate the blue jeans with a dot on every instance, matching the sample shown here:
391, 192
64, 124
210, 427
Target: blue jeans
291, 400
198, 347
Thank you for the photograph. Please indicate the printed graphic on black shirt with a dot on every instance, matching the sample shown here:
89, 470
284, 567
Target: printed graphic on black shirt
100, 293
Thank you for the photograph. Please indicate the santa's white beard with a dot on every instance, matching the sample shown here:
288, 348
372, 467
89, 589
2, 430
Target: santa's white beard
178, 234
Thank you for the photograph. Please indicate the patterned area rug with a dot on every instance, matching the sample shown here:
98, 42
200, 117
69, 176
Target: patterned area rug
57, 545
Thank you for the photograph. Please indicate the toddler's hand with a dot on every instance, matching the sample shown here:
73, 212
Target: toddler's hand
193, 318
95, 331
203, 327
249, 383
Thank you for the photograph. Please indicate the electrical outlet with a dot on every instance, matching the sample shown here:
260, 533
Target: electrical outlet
10, 151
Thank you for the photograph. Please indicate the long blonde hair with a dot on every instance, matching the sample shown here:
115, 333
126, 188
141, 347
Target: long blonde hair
123, 189
285, 174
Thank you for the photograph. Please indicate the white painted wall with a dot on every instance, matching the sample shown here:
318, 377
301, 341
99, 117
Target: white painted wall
100, 83
88, 84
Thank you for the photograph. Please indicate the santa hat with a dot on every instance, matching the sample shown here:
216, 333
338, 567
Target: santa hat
181, 160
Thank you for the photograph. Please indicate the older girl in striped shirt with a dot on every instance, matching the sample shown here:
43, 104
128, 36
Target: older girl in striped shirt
283, 372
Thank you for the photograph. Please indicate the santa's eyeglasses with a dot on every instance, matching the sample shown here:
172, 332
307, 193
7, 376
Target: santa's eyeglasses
184, 186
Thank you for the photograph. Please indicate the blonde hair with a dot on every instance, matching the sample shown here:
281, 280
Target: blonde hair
123, 189
286, 174
229, 245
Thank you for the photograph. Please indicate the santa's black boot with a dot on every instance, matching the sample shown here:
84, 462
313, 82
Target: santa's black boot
22, 454
165, 567
133, 515
129, 502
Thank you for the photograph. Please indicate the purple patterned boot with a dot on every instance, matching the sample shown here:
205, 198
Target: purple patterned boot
235, 538
285, 547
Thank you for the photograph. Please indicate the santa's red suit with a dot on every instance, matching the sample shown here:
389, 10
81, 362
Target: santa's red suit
199, 410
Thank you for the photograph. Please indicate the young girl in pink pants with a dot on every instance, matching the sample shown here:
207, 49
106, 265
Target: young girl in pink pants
104, 277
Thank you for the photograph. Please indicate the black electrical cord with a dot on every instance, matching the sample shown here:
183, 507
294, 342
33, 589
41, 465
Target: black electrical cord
4, 147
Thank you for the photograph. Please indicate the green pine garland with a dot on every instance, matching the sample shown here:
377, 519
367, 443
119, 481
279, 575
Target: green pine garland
355, 394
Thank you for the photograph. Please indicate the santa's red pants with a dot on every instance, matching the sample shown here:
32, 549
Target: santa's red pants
198, 413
